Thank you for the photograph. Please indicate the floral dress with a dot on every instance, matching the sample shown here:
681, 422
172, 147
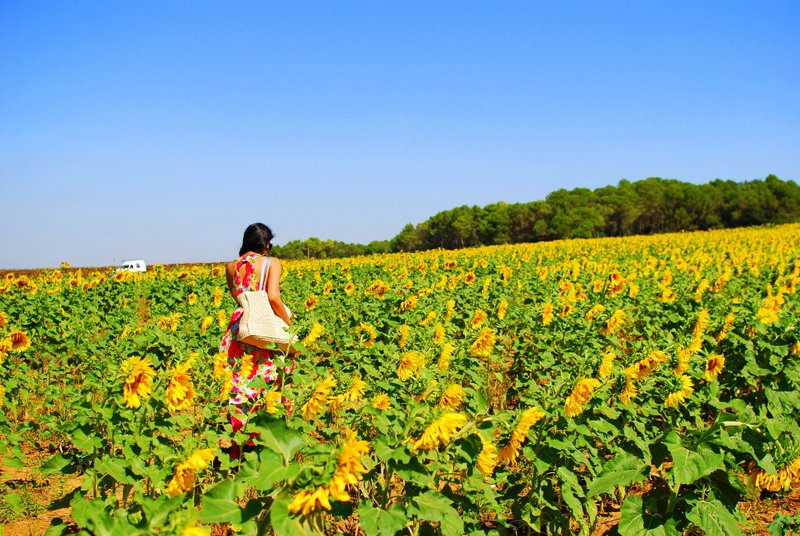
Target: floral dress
247, 362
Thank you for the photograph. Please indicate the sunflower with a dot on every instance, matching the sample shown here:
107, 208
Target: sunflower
381, 402
594, 312
311, 302
217, 298
408, 304
349, 470
184, 477
451, 309
714, 365
607, 365
405, 330
430, 317
676, 397
614, 323
138, 374
628, 392
478, 318
440, 431
271, 400
349, 467
206, 323
547, 314
370, 332
351, 396
191, 299
484, 343
444, 357
452, 397
180, 391
723, 332
3, 319
318, 397
438, 334
581, 394
19, 341
246, 366
502, 307
313, 334
410, 362
700, 326
487, 459
222, 319
509, 453
470, 278
349, 288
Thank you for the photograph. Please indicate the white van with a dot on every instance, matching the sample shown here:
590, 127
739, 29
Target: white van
133, 265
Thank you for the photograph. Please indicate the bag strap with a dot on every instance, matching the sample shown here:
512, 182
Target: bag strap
264, 270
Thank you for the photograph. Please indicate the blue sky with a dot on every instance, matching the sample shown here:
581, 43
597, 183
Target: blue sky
159, 130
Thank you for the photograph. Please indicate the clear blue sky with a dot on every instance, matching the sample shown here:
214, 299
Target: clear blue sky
159, 130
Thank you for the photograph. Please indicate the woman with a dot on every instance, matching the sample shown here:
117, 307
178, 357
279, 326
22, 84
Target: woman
245, 274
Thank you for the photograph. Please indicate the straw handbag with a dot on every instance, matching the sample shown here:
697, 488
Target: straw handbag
259, 325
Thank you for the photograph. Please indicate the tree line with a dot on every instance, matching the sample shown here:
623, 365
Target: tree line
648, 206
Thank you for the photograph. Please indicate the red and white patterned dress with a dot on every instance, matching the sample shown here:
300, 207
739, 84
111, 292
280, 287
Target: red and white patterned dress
244, 399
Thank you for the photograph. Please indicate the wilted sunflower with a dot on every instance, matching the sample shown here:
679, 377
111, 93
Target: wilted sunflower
369, 331
138, 374
184, 477
180, 391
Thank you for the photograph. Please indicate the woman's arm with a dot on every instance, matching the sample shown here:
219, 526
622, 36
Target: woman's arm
274, 289
229, 268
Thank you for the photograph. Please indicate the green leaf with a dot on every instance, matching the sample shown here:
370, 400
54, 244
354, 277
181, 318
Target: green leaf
713, 518
280, 438
635, 520
431, 505
219, 504
114, 468
622, 470
690, 466
377, 522
262, 472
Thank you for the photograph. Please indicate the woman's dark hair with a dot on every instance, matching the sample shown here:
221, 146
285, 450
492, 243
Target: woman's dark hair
257, 238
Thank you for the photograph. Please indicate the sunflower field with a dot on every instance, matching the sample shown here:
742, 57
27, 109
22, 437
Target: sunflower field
523, 389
